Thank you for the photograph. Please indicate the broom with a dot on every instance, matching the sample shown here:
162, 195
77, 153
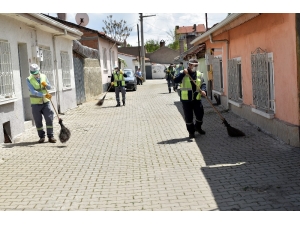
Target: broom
232, 132
64, 134
101, 101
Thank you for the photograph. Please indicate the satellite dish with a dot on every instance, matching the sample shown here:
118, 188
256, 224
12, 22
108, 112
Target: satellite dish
82, 19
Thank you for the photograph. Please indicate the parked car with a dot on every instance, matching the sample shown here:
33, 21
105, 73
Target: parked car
130, 80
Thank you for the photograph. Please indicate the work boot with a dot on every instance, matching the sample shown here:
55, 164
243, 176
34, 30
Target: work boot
118, 105
123, 103
42, 140
191, 135
200, 131
52, 140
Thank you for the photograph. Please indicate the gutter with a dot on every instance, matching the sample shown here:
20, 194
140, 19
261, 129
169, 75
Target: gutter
55, 23
56, 68
226, 21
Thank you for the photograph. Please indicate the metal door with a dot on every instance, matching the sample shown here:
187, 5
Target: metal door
79, 79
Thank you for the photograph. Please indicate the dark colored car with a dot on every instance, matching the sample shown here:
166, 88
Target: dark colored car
130, 80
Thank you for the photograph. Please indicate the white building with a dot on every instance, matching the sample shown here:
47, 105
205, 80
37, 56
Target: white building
27, 38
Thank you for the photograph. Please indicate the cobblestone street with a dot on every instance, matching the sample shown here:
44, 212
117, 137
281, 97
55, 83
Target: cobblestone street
139, 157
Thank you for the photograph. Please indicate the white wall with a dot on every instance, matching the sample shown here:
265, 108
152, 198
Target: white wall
128, 60
17, 32
158, 71
106, 73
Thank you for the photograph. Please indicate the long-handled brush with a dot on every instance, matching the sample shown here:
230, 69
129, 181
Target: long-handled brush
232, 132
64, 134
101, 101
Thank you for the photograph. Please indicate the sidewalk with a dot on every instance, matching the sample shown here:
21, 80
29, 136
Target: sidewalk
138, 157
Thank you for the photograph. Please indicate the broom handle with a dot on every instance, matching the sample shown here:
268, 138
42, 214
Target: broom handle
207, 98
52, 104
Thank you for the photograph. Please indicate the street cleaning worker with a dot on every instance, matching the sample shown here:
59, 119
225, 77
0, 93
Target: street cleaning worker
118, 81
179, 68
39, 99
170, 73
190, 97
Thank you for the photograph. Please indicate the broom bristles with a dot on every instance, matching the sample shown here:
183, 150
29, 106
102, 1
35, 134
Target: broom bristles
101, 101
233, 132
64, 134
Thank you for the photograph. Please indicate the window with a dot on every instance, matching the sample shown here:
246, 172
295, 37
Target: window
104, 58
235, 91
263, 80
113, 58
65, 67
217, 68
47, 66
6, 72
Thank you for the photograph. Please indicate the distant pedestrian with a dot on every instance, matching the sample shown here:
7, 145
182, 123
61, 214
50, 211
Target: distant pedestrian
178, 69
39, 99
139, 77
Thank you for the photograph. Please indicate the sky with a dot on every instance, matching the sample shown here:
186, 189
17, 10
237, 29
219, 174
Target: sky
155, 27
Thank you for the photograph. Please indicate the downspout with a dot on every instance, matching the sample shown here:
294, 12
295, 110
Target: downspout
227, 55
111, 69
56, 69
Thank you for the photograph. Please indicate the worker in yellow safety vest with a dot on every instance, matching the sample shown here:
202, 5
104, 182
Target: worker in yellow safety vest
190, 97
118, 81
39, 99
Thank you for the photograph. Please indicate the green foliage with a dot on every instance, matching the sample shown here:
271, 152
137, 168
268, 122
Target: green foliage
116, 30
152, 45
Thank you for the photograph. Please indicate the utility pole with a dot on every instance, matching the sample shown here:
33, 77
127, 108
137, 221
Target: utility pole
139, 47
143, 46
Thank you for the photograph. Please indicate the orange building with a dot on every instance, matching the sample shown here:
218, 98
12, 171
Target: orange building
255, 63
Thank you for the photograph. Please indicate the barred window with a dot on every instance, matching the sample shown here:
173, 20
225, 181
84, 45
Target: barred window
113, 58
263, 80
104, 58
6, 72
235, 91
217, 68
65, 67
47, 66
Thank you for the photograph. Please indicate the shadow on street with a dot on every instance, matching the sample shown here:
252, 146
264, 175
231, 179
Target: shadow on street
255, 172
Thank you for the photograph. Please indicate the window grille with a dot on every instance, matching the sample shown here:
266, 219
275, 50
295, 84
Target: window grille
47, 66
6, 72
263, 80
104, 58
217, 74
113, 58
235, 80
65, 67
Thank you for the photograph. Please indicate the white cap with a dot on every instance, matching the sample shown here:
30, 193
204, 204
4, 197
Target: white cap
116, 66
34, 69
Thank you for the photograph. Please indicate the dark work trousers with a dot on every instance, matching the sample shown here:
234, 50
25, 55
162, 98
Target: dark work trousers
37, 111
139, 81
170, 84
189, 109
117, 92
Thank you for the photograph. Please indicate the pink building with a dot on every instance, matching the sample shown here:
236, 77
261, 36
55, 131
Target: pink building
255, 62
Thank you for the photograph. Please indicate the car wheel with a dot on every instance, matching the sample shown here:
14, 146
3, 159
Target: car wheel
134, 88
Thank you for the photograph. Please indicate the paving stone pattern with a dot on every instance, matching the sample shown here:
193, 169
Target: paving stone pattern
139, 157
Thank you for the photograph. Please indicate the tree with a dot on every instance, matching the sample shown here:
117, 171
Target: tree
174, 39
116, 30
152, 45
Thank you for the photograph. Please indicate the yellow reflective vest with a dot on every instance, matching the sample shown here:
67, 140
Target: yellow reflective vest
38, 87
186, 91
119, 78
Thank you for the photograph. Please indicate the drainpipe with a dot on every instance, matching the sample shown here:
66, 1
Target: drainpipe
111, 69
227, 55
56, 68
